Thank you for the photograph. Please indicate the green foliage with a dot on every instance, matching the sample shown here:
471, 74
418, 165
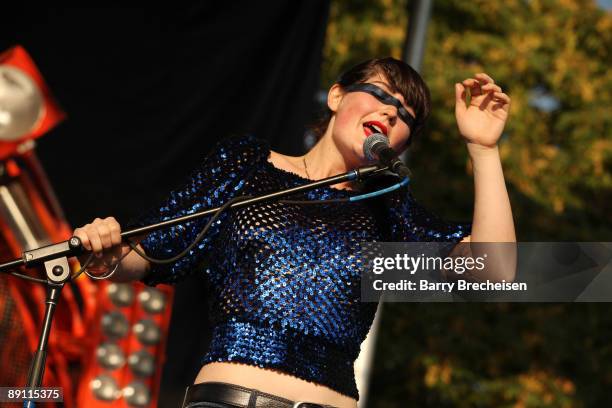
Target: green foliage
558, 165
493, 354
558, 169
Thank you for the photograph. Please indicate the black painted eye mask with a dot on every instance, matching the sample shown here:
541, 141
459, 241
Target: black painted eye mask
385, 98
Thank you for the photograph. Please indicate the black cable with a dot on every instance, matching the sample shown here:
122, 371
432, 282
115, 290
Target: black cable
214, 217
134, 246
196, 240
333, 200
83, 267
30, 278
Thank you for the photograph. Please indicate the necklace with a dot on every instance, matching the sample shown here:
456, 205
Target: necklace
305, 167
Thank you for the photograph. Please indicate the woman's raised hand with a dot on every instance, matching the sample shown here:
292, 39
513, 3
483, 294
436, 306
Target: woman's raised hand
483, 120
103, 237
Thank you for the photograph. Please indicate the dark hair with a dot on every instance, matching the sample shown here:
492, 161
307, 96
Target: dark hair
402, 78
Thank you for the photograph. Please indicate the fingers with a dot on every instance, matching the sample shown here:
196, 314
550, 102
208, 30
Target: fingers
491, 88
82, 235
484, 78
459, 92
500, 96
473, 86
94, 239
115, 231
479, 79
101, 234
104, 233
471, 83
459, 98
502, 101
482, 84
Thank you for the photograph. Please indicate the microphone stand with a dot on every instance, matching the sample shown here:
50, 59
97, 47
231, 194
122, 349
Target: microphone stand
55, 258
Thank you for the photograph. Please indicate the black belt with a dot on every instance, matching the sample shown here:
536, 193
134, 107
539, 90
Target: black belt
242, 397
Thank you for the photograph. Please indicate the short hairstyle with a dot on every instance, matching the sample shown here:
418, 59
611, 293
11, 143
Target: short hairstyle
402, 78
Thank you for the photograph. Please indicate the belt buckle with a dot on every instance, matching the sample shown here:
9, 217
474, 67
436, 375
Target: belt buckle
306, 404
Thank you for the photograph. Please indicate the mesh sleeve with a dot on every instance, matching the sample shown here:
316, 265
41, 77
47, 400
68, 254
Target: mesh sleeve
411, 222
219, 177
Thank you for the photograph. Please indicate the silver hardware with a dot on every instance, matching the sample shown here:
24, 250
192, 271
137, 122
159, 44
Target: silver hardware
100, 277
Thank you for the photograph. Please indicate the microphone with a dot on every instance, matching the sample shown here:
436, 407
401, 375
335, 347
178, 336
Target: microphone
376, 147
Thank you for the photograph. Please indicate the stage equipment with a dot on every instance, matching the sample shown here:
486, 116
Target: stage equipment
79, 348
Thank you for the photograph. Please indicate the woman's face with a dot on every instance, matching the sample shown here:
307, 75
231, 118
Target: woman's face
359, 114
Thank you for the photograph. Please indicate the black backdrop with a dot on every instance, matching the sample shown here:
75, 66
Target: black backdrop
148, 91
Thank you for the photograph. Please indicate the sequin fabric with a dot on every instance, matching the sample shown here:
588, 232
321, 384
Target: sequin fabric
283, 279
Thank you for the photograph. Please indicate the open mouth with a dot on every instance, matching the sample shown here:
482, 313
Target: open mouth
372, 127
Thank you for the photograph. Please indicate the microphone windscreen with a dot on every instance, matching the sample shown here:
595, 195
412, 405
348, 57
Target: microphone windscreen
369, 143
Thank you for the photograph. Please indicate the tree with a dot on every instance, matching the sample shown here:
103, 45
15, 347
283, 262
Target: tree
553, 59
557, 163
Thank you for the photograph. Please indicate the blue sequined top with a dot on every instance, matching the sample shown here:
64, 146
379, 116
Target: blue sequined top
283, 279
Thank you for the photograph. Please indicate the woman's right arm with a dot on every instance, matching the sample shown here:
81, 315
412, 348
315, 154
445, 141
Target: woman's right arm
103, 237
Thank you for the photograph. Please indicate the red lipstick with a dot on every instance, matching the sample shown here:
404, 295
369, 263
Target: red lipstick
370, 129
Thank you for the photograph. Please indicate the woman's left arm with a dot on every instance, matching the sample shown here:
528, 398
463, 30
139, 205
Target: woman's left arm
481, 123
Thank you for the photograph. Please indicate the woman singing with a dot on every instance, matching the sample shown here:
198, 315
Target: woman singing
283, 278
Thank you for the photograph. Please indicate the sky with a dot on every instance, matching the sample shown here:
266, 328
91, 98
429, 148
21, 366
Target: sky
606, 4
